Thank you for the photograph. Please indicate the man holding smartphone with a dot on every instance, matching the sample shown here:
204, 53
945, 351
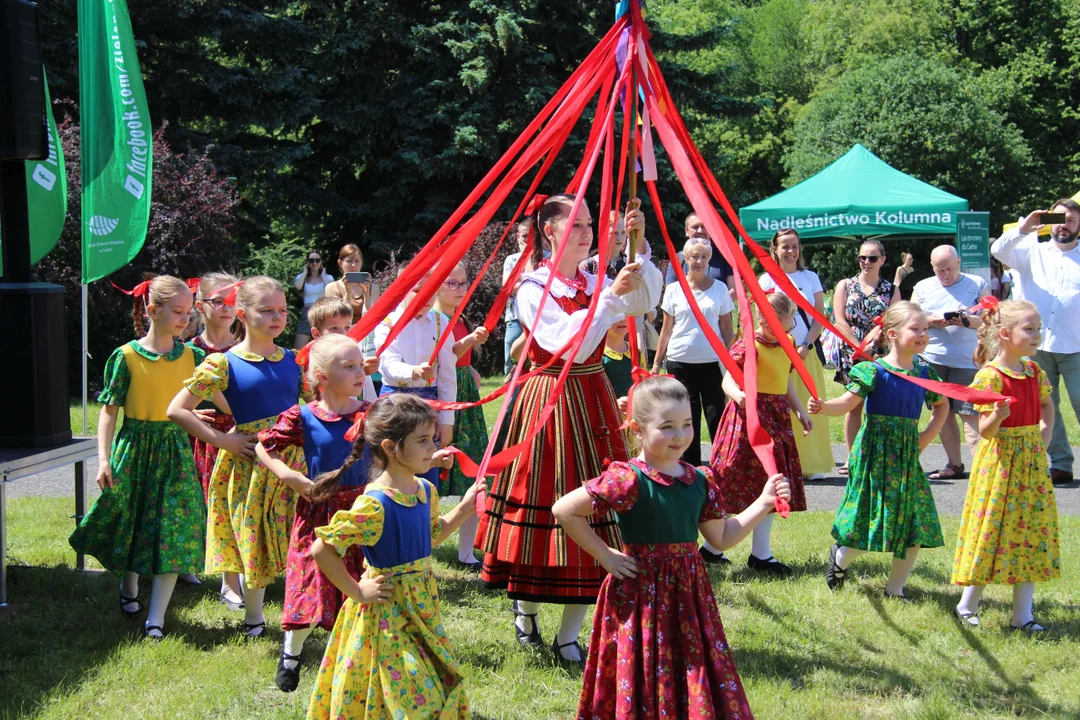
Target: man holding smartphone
1048, 276
945, 298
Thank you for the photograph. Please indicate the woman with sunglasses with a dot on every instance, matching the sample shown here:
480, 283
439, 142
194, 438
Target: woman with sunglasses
312, 282
856, 302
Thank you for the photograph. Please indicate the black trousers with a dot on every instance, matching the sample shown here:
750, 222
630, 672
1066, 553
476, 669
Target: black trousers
703, 381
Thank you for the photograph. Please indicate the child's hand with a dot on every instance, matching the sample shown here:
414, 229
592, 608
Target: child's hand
805, 421
371, 365
628, 279
104, 475
739, 397
776, 486
304, 485
1002, 410
813, 406
374, 590
207, 416
469, 499
240, 445
621, 566
634, 219
480, 335
623, 404
423, 371
443, 458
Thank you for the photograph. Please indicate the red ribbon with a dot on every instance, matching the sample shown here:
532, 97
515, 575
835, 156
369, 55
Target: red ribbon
303, 355
357, 428
140, 290
638, 374
193, 284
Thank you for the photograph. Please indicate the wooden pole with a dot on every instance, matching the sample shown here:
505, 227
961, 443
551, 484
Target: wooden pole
632, 239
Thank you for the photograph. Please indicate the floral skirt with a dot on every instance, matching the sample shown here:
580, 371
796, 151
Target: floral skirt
742, 477
887, 504
250, 514
153, 520
1009, 530
470, 432
392, 659
206, 454
658, 648
309, 596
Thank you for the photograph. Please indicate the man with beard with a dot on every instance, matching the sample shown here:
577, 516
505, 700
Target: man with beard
1048, 275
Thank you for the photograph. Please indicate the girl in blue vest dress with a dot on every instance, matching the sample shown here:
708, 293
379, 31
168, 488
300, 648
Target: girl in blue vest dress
250, 509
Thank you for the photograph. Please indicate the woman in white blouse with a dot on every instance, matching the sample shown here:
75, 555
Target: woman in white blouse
688, 354
815, 449
312, 282
525, 549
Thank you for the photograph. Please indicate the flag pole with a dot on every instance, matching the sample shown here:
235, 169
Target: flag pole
83, 354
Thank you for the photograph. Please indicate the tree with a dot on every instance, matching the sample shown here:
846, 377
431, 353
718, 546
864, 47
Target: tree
923, 118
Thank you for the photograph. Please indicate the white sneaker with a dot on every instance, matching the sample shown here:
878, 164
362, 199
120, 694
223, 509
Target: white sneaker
816, 476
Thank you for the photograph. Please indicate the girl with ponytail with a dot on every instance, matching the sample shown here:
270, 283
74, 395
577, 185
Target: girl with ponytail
130, 530
1009, 529
316, 432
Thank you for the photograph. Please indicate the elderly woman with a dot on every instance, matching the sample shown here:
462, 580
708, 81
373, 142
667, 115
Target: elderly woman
690, 358
856, 302
815, 450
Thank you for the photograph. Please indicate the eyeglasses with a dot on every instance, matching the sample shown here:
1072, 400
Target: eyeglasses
869, 258
216, 303
456, 285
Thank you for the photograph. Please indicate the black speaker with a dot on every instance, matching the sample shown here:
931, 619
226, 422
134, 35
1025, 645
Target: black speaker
24, 128
35, 364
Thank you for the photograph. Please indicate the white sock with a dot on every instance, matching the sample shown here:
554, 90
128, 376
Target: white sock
844, 556
760, 546
294, 644
569, 630
253, 605
901, 571
969, 600
1023, 604
230, 587
159, 598
526, 624
710, 548
467, 538
129, 585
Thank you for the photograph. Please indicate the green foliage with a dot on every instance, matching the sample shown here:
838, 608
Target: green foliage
282, 260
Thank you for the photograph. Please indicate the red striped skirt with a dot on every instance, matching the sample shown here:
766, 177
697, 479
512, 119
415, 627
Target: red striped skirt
525, 550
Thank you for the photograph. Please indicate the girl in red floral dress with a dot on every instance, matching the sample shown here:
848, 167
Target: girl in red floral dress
658, 648
733, 459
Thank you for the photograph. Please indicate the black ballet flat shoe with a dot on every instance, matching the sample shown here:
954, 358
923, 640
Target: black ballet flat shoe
711, 557
130, 601
898, 598
150, 629
528, 639
472, 567
1030, 628
557, 649
769, 565
834, 574
287, 680
255, 630
230, 603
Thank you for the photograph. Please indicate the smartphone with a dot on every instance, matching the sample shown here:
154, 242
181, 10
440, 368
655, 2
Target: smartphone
358, 277
950, 316
1052, 219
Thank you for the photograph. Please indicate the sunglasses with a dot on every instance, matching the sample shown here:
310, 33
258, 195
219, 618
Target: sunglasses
314, 260
456, 285
869, 258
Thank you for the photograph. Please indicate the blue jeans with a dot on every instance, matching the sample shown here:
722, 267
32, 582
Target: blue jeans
513, 332
1058, 367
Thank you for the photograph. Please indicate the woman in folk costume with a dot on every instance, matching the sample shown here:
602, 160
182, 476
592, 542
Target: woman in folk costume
525, 550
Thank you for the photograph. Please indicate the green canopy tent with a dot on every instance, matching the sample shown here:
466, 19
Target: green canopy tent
859, 195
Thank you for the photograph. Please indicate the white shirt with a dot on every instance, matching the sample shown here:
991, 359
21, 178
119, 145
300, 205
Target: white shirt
413, 347
1048, 278
508, 267
314, 291
688, 343
950, 346
808, 284
554, 327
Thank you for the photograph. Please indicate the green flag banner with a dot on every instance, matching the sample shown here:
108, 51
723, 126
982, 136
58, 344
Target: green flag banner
46, 192
116, 140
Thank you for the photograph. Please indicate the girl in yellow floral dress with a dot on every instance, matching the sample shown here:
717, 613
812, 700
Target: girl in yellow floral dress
1009, 530
388, 655
250, 509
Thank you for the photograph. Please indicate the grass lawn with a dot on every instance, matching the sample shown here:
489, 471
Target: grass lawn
802, 651
832, 390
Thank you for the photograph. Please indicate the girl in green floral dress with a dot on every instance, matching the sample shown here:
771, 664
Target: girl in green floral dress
888, 506
150, 518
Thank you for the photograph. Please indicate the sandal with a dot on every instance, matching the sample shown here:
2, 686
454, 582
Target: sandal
149, 631
970, 618
528, 639
949, 472
557, 649
834, 574
842, 471
1029, 628
130, 601
255, 630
